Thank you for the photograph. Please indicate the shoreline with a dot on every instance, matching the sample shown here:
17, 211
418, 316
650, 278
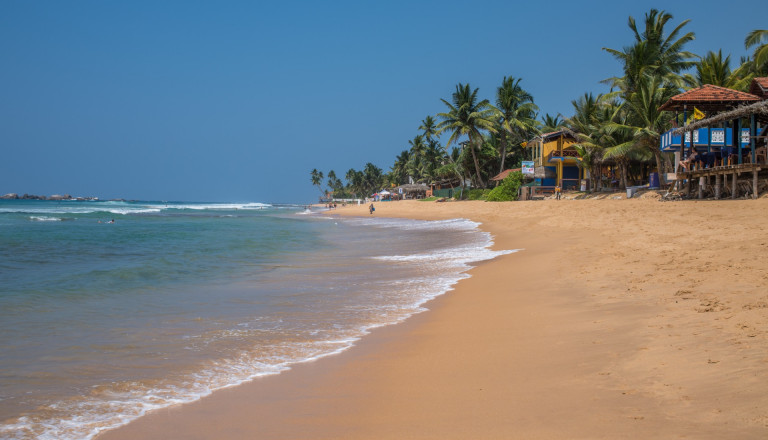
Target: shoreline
586, 333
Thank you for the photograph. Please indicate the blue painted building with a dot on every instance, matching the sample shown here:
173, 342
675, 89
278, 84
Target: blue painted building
701, 139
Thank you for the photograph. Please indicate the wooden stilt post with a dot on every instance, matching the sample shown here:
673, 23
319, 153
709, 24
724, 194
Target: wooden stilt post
717, 186
737, 139
752, 136
754, 184
733, 186
701, 188
688, 185
724, 150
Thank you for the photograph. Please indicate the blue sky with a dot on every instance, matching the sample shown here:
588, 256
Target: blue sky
238, 101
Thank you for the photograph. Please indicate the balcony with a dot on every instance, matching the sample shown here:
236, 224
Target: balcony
671, 143
563, 156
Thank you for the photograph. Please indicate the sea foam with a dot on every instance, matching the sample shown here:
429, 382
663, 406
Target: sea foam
393, 298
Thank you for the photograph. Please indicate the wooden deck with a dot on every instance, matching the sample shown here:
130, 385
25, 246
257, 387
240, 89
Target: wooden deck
722, 175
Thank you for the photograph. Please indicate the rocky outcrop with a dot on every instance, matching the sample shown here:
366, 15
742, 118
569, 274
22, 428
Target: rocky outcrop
14, 196
58, 197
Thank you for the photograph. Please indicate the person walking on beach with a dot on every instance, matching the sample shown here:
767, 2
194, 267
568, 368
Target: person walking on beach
557, 192
371, 209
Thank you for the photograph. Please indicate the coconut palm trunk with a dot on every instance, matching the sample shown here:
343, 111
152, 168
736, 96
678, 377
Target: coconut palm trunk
472, 144
660, 166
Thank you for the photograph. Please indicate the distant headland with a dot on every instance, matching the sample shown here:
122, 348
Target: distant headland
14, 196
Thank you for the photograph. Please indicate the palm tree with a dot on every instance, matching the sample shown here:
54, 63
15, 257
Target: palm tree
645, 120
517, 115
758, 38
372, 178
713, 69
334, 182
428, 127
416, 155
586, 124
551, 123
653, 53
354, 181
651, 76
617, 140
433, 158
317, 180
399, 171
467, 116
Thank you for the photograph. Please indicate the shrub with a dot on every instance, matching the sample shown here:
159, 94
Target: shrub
477, 194
507, 190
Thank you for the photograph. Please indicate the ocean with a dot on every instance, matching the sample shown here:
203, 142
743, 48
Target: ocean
102, 321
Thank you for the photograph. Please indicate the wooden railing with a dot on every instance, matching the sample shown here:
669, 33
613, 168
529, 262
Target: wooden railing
564, 153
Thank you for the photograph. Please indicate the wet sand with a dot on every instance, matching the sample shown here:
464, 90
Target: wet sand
620, 319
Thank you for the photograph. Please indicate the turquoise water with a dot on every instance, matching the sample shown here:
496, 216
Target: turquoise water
101, 322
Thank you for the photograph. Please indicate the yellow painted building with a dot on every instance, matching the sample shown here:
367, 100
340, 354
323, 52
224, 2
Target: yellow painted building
556, 160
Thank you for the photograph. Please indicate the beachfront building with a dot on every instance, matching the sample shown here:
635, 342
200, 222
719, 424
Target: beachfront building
556, 161
729, 141
412, 191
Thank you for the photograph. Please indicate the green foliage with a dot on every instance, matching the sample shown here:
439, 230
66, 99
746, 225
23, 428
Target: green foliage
716, 70
477, 194
759, 39
620, 128
507, 191
516, 117
317, 180
468, 116
428, 199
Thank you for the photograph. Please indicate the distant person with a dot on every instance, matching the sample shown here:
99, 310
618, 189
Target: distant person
371, 209
693, 157
557, 192
111, 221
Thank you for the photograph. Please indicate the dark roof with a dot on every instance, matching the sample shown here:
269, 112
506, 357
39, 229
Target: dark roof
759, 87
709, 97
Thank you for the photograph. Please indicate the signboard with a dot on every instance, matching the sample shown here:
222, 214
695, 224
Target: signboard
528, 167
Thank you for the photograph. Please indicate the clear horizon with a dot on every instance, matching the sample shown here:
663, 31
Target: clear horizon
193, 101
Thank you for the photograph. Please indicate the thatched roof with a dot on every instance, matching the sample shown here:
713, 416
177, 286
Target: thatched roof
758, 108
413, 187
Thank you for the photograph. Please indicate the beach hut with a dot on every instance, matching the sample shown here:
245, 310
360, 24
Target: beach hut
730, 138
554, 155
412, 190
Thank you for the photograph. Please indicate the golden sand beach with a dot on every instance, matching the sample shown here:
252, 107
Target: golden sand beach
619, 319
